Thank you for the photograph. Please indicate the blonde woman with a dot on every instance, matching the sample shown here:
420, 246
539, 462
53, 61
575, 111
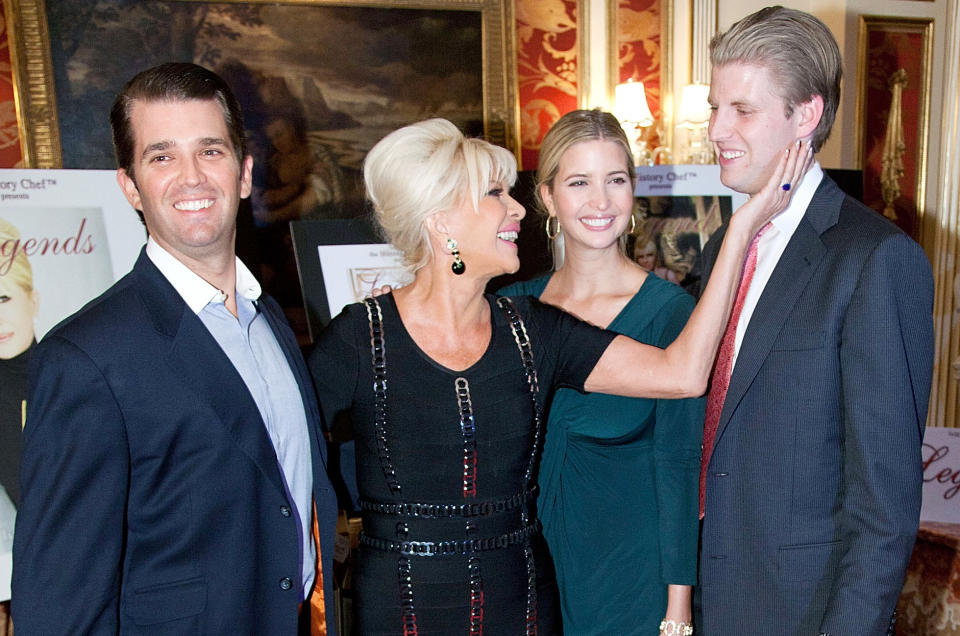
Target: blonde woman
18, 308
444, 386
618, 481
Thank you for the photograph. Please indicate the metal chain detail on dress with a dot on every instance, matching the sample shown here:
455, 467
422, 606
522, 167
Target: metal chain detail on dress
378, 355
447, 548
379, 359
526, 356
476, 597
476, 509
468, 428
406, 597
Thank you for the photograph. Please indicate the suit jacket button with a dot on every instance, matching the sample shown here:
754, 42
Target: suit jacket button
285, 511
286, 583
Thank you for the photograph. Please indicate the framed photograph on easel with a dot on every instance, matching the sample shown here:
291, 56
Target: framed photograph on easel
678, 208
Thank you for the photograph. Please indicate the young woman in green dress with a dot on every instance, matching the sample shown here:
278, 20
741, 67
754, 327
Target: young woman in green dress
618, 479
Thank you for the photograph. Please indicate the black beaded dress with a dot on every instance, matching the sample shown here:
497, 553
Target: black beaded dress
446, 466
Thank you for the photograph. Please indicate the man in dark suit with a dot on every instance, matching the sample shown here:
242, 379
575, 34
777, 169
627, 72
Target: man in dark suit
812, 466
172, 461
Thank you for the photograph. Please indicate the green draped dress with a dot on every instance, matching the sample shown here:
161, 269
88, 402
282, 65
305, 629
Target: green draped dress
618, 484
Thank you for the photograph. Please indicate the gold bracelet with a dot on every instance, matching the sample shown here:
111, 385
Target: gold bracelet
670, 627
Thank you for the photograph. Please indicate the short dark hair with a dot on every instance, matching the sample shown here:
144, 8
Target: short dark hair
173, 81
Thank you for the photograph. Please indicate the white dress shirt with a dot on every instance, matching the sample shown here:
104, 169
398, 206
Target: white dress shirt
771, 246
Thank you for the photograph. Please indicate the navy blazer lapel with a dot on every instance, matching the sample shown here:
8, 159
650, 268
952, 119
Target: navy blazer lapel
201, 364
788, 280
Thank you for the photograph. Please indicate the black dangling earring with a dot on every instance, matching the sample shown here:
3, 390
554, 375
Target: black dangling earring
458, 267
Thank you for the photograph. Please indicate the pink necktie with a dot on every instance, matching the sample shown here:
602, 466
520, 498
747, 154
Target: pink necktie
720, 380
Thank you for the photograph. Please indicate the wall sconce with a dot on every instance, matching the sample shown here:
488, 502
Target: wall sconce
694, 117
633, 111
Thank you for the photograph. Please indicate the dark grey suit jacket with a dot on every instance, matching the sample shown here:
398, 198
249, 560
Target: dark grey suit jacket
814, 485
153, 501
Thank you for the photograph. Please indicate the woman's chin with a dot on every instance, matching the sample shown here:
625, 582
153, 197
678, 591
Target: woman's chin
12, 348
511, 269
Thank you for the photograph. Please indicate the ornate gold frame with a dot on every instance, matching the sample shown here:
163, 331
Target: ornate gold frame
923, 26
33, 83
36, 101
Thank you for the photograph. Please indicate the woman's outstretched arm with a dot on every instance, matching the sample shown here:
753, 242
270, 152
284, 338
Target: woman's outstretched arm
683, 369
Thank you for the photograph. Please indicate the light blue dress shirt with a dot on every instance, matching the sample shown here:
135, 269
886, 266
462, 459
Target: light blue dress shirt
250, 344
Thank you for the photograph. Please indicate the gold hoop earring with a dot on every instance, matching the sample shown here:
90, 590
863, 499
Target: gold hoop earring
633, 224
556, 231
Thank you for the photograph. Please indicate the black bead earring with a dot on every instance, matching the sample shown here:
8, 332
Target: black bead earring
458, 267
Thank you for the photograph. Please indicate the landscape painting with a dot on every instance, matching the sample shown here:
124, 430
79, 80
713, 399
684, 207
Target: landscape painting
320, 82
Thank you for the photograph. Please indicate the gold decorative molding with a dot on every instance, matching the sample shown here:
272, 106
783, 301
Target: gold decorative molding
33, 83
583, 52
946, 240
893, 145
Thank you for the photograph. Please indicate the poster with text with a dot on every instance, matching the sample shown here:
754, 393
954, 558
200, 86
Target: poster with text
75, 231
65, 237
941, 475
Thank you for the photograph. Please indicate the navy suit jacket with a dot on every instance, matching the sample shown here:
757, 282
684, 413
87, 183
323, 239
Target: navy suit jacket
814, 485
153, 501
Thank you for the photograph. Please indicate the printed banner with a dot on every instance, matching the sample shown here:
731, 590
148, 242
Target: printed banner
941, 475
67, 235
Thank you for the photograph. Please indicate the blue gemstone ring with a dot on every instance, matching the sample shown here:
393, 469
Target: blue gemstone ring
786, 187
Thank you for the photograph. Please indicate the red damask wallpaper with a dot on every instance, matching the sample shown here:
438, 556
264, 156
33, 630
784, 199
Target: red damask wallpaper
639, 53
10, 154
547, 59
638, 47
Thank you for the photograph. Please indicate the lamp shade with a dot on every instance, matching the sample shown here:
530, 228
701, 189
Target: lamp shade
694, 107
631, 104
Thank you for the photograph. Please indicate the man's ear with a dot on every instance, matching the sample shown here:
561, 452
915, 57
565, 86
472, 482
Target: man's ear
246, 177
809, 113
130, 189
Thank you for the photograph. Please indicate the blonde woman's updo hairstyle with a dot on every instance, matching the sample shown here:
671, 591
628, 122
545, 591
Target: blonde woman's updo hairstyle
17, 269
426, 168
573, 128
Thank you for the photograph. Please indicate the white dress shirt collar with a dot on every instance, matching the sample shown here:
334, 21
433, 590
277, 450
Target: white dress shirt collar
787, 221
772, 245
194, 290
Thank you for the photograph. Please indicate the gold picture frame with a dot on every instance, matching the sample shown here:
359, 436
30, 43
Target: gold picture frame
887, 45
36, 106
34, 71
